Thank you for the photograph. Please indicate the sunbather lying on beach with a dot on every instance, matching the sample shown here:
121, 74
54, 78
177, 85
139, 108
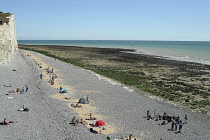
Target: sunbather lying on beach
83, 122
92, 118
12, 91
5, 122
163, 123
68, 98
8, 85
23, 109
131, 137
75, 121
77, 105
149, 117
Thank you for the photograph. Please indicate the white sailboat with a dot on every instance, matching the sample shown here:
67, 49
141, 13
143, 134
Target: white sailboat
131, 42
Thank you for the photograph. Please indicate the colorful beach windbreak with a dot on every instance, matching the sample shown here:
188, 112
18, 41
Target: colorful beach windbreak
193, 51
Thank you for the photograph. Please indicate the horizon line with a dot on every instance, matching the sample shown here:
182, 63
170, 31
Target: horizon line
113, 40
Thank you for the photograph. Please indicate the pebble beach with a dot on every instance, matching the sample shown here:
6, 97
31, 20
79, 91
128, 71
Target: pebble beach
122, 108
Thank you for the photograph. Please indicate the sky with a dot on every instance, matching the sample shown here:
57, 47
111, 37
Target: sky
177, 20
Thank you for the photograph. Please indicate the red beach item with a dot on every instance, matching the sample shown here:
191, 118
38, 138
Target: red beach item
100, 123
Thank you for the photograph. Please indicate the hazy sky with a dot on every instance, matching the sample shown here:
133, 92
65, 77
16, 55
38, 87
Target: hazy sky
110, 19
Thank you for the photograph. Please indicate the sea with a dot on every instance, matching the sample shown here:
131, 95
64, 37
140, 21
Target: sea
191, 51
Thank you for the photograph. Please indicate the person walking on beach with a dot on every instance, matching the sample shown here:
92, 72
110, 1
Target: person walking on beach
26, 88
172, 126
87, 98
180, 128
176, 125
185, 118
40, 76
148, 113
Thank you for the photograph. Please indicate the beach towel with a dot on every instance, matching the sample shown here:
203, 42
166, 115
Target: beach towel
63, 90
65, 93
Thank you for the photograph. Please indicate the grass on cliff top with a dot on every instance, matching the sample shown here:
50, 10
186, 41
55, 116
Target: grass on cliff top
3, 16
133, 77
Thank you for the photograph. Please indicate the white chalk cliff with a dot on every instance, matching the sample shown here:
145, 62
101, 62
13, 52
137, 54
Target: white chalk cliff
8, 41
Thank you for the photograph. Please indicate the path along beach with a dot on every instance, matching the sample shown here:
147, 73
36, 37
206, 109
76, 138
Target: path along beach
123, 109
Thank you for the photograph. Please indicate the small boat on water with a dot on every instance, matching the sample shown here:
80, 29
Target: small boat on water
131, 42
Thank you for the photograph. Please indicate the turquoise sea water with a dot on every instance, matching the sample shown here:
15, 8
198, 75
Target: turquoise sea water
195, 51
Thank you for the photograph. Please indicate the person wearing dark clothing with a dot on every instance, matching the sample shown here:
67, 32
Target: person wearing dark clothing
172, 126
24, 109
148, 113
177, 118
176, 125
180, 128
163, 123
185, 118
93, 131
26, 88
149, 117
108, 138
40, 76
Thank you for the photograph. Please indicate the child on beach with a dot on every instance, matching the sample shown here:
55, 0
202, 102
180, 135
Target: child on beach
23, 90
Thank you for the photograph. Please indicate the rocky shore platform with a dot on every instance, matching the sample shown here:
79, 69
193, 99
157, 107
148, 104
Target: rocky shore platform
123, 109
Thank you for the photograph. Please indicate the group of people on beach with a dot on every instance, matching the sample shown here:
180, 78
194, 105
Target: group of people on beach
176, 122
52, 76
75, 121
24, 89
5, 122
18, 90
78, 122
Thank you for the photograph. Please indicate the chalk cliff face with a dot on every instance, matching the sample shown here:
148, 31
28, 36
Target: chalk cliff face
8, 41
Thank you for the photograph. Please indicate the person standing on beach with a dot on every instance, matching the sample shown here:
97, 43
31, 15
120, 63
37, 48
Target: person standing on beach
22, 89
26, 88
172, 126
176, 125
148, 113
40, 76
180, 128
185, 118
155, 113
87, 98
